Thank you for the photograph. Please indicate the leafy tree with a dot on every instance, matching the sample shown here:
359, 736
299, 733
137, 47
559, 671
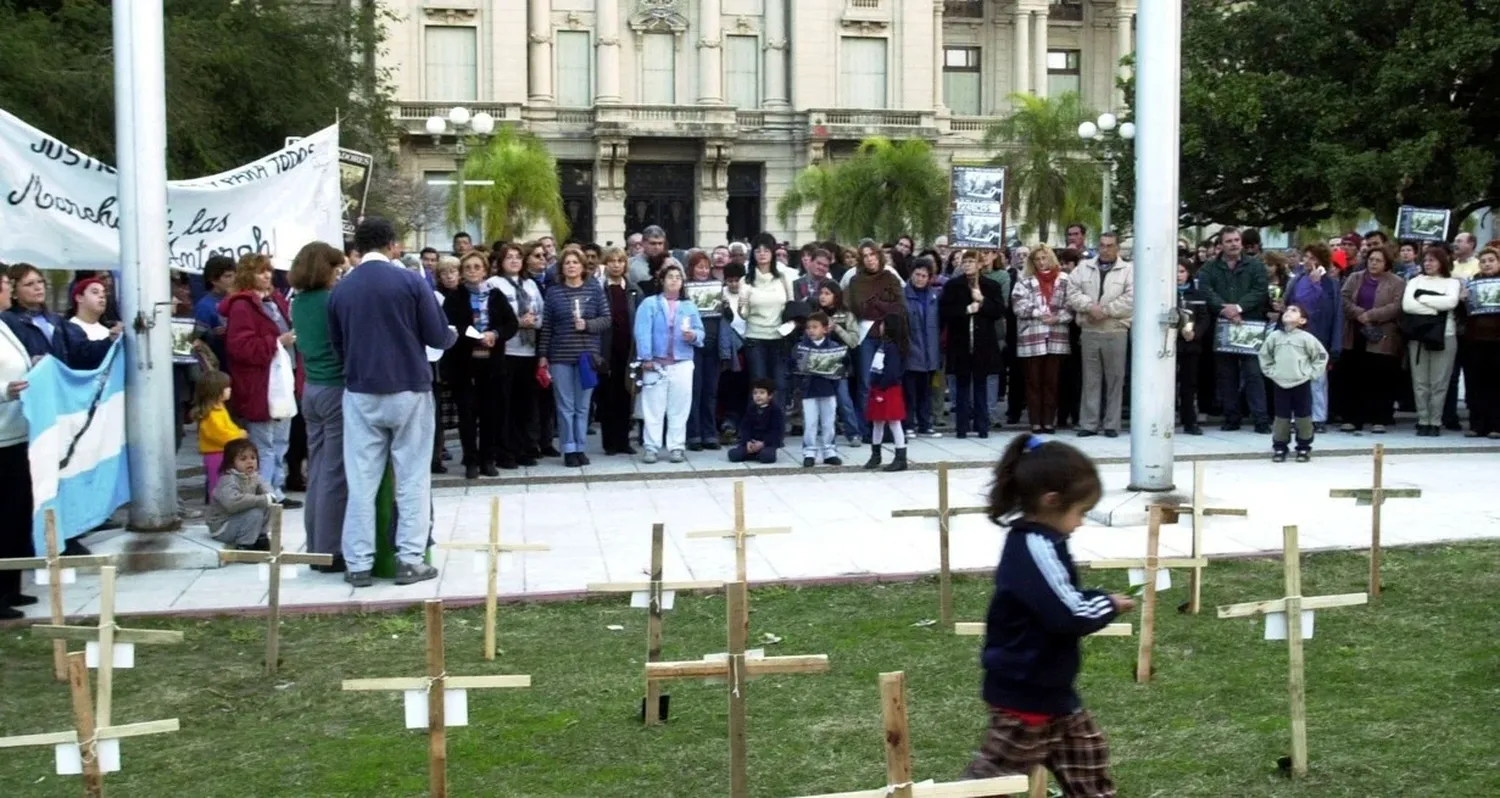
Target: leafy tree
241, 76
884, 190
1050, 175
524, 186
1295, 111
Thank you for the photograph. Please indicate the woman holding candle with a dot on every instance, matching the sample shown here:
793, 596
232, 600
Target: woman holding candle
668, 331
575, 316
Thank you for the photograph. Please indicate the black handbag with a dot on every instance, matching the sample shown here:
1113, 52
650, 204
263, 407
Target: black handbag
1425, 330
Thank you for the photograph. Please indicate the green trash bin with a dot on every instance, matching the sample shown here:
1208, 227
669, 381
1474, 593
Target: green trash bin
385, 525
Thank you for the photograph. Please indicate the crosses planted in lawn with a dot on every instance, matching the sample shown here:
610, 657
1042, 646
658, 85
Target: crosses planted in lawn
1145, 573
1375, 497
493, 556
433, 691
737, 669
1200, 510
91, 748
54, 571
1286, 616
740, 534
273, 561
943, 513
898, 767
655, 597
109, 641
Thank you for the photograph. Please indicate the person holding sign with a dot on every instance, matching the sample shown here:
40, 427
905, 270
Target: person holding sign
707, 293
1482, 337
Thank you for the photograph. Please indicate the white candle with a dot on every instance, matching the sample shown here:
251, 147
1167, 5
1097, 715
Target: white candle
687, 324
577, 308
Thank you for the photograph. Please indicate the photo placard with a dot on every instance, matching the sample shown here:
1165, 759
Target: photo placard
1484, 296
977, 216
1245, 338
1422, 224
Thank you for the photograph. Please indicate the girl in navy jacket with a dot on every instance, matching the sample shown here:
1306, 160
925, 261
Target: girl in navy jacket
886, 407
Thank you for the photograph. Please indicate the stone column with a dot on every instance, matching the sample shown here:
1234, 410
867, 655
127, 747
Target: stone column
541, 52
1124, 45
609, 190
1021, 81
937, 61
1040, 43
607, 52
776, 50
710, 54
713, 193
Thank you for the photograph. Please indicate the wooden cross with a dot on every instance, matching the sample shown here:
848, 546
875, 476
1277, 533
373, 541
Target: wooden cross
1375, 497
273, 560
87, 733
654, 707
434, 685
898, 766
56, 568
737, 669
1292, 608
108, 634
943, 513
491, 552
1152, 563
740, 534
1200, 510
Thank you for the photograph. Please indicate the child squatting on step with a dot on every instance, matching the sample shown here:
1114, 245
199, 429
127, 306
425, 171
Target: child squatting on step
1291, 358
1031, 656
239, 511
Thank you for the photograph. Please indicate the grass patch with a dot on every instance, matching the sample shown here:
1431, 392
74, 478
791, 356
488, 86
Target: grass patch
1402, 696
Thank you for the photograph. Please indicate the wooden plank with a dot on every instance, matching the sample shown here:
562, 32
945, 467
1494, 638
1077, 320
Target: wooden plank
1112, 630
437, 732
1295, 671
738, 618
54, 594
106, 693
503, 547
750, 532
1368, 494
1148, 600
136, 729
652, 714
136, 636
1226, 511
401, 683
492, 581
46, 738
1161, 562
40, 563
1279, 605
1038, 777
945, 572
704, 669
228, 556
1377, 498
897, 734
83, 720
273, 595
952, 511
1195, 579
978, 788
636, 587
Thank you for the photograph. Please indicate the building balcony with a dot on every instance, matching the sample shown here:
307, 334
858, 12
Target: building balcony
667, 121
412, 116
844, 123
1066, 10
972, 127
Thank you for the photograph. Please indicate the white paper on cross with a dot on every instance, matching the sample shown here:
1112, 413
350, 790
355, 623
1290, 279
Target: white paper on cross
69, 757
481, 562
641, 600
43, 576
455, 708
1276, 625
1163, 578
263, 570
723, 656
123, 656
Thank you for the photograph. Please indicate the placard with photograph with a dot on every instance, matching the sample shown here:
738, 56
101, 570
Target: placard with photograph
1422, 224
977, 216
707, 295
1244, 338
1484, 296
355, 169
184, 332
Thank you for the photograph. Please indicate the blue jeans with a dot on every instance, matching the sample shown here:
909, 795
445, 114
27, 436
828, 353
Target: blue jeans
572, 401
702, 426
866, 353
1238, 373
818, 439
918, 387
973, 405
854, 421
377, 427
766, 360
271, 440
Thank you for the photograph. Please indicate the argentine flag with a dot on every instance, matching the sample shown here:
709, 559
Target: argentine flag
79, 468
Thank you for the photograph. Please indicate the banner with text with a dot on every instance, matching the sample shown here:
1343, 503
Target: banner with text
61, 209
977, 219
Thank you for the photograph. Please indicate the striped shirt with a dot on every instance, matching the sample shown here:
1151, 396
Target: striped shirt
559, 342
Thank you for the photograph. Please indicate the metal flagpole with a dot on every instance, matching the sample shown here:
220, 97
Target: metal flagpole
1153, 340
146, 288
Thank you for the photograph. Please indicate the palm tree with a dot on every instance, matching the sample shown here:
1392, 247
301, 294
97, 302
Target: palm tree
886, 189
1050, 175
523, 187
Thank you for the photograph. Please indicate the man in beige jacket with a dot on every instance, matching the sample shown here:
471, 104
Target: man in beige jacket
1102, 297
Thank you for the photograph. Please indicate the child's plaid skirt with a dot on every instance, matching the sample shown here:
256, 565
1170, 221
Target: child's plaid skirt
1072, 747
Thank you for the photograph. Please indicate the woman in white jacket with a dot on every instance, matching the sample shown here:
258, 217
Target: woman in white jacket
15, 465
1433, 293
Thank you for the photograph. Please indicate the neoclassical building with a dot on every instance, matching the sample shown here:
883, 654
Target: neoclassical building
697, 114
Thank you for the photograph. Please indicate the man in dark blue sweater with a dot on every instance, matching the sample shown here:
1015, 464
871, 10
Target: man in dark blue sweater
380, 319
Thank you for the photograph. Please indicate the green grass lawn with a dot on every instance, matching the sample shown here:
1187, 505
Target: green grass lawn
1402, 696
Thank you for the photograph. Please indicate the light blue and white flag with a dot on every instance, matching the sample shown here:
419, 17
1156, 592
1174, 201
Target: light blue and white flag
79, 468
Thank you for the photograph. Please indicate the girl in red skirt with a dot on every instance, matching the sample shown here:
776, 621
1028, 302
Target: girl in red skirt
887, 406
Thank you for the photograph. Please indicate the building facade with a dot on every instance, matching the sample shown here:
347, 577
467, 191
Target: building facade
697, 115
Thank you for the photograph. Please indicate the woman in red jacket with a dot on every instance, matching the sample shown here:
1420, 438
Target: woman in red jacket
258, 323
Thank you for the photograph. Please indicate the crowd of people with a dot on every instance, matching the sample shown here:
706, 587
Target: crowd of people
527, 349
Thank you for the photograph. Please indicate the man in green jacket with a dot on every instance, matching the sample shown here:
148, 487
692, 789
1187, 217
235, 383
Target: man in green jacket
1236, 286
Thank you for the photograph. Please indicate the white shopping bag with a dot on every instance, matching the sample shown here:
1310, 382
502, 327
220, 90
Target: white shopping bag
281, 391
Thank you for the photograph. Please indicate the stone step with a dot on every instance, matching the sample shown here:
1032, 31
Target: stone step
138, 552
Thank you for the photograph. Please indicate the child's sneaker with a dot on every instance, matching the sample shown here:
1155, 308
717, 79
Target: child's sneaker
808, 462
1303, 457
833, 461
1278, 457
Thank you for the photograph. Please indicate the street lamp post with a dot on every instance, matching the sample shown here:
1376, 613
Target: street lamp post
1098, 131
463, 124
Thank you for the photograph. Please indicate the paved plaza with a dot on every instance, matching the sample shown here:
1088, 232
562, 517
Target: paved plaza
598, 524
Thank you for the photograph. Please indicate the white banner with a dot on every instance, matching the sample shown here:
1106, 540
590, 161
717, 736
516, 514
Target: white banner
60, 207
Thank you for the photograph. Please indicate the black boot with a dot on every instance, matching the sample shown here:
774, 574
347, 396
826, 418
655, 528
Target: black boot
874, 461
898, 463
